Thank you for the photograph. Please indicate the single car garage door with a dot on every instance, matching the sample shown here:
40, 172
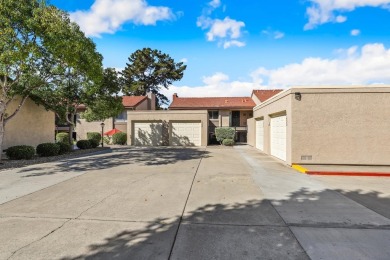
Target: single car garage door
279, 137
148, 133
260, 134
186, 133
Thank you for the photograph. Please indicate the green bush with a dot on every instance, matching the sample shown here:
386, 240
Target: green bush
228, 142
84, 144
48, 149
119, 138
62, 138
64, 148
94, 136
94, 143
106, 140
20, 152
222, 133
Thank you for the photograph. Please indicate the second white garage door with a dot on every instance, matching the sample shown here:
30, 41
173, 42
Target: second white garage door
186, 133
279, 137
148, 133
260, 134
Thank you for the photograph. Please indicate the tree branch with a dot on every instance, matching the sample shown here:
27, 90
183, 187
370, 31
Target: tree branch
16, 110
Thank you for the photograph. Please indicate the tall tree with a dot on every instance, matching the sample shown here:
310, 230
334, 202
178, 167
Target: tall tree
39, 49
150, 70
106, 102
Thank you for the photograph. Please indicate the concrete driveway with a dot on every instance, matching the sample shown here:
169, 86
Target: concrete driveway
178, 203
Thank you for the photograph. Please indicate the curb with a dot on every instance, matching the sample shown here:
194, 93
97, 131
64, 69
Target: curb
301, 169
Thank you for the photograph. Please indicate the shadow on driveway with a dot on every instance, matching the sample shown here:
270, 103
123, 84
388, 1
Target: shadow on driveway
200, 236
121, 156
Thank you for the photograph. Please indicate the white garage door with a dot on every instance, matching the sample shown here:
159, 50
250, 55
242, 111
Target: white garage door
186, 133
279, 137
148, 133
260, 134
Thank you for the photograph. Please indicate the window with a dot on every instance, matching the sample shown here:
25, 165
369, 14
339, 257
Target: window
122, 117
213, 114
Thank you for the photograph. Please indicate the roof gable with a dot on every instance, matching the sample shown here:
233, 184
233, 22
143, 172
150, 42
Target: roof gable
132, 101
264, 94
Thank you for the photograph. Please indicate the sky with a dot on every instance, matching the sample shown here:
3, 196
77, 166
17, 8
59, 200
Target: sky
231, 47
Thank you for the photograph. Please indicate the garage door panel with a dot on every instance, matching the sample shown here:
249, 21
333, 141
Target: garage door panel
260, 134
186, 133
148, 134
279, 137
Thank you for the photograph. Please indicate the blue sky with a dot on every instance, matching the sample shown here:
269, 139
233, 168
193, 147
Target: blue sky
231, 47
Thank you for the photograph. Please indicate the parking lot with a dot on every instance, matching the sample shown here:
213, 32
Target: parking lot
189, 203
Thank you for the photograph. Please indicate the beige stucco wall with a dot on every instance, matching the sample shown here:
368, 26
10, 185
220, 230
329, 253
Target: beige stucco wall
83, 127
225, 117
244, 116
167, 117
122, 126
32, 125
277, 105
342, 126
251, 134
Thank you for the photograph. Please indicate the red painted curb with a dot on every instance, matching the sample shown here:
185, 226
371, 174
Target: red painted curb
373, 174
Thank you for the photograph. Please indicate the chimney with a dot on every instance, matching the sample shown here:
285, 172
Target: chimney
175, 95
151, 101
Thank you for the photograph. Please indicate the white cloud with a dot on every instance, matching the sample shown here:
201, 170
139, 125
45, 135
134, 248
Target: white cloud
215, 3
217, 85
367, 65
226, 31
274, 34
228, 44
107, 16
226, 28
323, 11
355, 32
184, 60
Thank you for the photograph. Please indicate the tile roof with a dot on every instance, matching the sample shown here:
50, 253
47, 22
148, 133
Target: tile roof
264, 94
212, 103
127, 101
132, 101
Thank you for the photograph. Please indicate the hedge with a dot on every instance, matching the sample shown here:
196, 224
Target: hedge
20, 152
94, 143
64, 148
84, 144
222, 133
94, 136
62, 138
48, 149
228, 142
119, 138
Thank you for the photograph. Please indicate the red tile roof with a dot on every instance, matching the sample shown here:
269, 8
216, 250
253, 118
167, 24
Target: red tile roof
132, 101
127, 101
212, 103
264, 94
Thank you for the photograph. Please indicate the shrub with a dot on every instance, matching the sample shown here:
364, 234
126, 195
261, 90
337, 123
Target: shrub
84, 144
20, 152
228, 142
222, 133
48, 149
119, 138
64, 148
94, 143
94, 136
62, 138
106, 140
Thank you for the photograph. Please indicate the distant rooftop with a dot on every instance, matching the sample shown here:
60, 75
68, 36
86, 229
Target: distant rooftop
264, 94
212, 103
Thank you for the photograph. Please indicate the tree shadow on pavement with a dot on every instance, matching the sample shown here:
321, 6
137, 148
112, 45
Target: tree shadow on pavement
204, 234
118, 157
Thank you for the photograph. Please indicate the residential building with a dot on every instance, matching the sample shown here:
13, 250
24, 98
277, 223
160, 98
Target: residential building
224, 111
32, 125
324, 126
130, 104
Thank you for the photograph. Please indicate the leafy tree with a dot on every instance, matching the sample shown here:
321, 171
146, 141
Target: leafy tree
106, 102
41, 49
150, 70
